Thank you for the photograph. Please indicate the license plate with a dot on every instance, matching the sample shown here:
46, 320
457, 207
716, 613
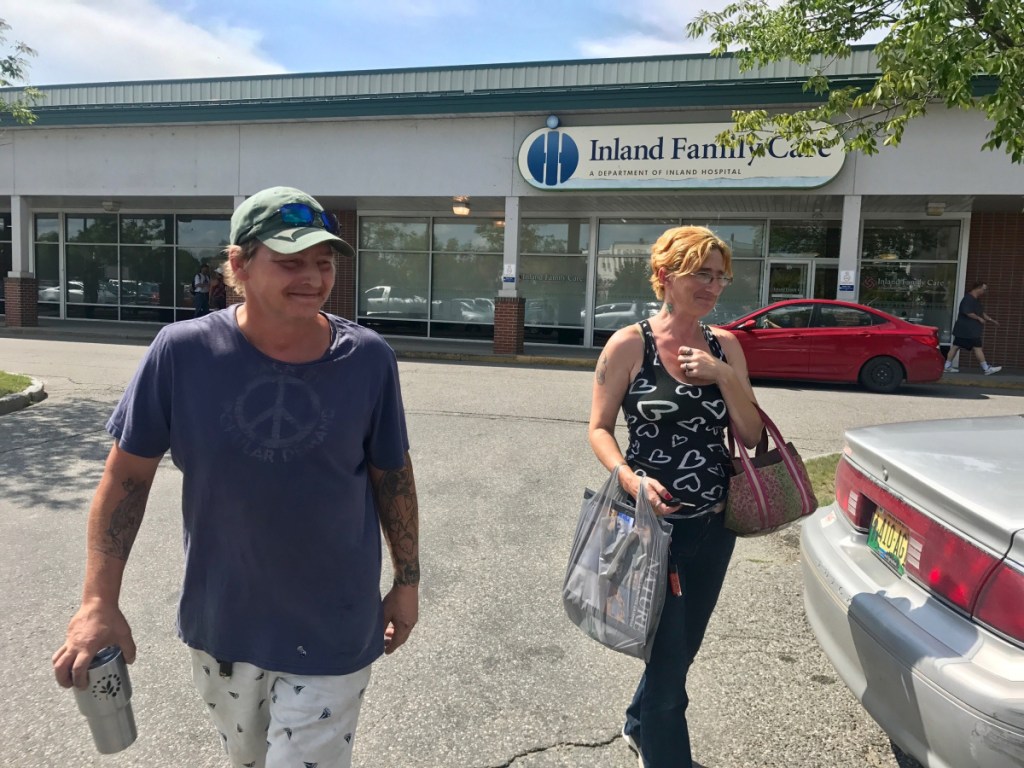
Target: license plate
889, 539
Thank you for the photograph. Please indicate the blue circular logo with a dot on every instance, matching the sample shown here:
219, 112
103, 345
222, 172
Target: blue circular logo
552, 158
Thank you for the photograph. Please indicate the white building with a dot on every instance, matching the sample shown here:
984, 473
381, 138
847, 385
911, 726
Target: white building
113, 197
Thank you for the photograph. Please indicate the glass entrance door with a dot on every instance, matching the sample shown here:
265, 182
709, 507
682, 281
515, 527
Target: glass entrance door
788, 280
826, 280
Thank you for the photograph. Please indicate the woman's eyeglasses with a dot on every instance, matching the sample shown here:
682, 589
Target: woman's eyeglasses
704, 277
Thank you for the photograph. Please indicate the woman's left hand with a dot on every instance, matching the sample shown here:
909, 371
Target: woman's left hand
698, 364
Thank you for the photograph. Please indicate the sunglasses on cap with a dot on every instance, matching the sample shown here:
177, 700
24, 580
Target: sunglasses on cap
298, 215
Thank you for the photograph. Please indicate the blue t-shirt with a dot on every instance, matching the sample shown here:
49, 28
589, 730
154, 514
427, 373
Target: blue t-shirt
282, 539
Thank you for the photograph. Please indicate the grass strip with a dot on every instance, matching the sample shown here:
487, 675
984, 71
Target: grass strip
822, 471
13, 382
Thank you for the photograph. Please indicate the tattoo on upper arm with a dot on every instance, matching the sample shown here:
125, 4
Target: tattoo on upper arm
602, 369
399, 517
125, 520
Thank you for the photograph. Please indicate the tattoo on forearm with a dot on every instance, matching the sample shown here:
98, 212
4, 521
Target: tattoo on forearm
125, 520
399, 517
602, 369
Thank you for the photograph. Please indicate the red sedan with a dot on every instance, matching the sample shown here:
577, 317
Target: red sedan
822, 340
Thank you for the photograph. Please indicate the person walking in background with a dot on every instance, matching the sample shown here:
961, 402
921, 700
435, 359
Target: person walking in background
293, 459
201, 290
967, 330
679, 383
218, 290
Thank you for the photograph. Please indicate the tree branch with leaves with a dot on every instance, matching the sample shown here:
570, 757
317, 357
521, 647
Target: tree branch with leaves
963, 55
13, 71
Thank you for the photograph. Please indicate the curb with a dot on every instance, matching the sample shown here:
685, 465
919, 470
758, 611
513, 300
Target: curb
980, 380
460, 357
34, 393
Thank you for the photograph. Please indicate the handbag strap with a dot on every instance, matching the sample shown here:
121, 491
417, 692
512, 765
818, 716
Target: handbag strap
787, 459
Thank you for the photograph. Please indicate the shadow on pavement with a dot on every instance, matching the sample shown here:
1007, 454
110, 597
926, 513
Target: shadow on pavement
44, 450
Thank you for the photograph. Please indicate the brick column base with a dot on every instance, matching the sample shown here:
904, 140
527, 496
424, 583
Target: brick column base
342, 301
22, 297
509, 322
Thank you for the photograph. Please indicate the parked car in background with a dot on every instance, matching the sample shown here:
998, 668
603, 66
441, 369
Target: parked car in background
914, 585
463, 310
824, 340
392, 301
76, 292
619, 314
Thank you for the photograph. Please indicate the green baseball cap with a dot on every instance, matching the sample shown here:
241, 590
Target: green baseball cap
286, 220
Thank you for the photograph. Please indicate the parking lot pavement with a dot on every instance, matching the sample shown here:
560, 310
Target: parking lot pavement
494, 674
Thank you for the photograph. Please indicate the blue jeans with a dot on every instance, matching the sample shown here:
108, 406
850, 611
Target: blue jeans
656, 719
201, 301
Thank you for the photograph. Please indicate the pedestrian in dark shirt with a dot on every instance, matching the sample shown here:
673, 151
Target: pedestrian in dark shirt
967, 330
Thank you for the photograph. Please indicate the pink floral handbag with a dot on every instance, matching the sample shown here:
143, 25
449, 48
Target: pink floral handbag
770, 490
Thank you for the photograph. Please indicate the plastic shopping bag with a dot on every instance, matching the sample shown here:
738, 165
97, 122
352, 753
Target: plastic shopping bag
615, 583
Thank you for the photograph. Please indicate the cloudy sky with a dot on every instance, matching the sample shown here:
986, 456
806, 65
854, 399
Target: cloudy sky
81, 41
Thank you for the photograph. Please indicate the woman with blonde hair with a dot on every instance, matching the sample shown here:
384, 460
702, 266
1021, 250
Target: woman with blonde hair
679, 383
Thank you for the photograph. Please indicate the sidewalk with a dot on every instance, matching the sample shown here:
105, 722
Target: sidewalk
414, 348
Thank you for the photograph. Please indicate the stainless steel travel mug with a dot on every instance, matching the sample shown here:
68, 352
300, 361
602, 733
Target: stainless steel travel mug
107, 702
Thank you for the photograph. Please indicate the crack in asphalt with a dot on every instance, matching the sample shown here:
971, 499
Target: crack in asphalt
538, 750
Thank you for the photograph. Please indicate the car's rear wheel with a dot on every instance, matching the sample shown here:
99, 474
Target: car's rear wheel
882, 374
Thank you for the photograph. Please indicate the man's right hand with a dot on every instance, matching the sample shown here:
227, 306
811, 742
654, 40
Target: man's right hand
92, 628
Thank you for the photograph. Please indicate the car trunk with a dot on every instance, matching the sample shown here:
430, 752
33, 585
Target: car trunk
966, 473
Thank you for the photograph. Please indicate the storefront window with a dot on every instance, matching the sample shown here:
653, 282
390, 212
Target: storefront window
147, 230
743, 296
466, 277
744, 238
554, 236
394, 274
921, 293
908, 269
394, 234
553, 278
622, 237
804, 240
146, 282
445, 271
480, 236
911, 240
92, 277
46, 249
200, 240
394, 286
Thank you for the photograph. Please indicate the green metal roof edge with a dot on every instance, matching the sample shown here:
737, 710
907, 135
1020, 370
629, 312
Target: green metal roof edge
403, 70
738, 93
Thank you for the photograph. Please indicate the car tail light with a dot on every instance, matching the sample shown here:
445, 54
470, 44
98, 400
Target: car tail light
848, 495
941, 559
930, 340
999, 604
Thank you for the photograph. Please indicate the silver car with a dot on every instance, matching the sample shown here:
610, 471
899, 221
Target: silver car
914, 585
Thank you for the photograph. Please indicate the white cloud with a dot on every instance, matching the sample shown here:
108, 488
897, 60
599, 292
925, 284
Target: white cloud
81, 41
405, 11
639, 44
652, 28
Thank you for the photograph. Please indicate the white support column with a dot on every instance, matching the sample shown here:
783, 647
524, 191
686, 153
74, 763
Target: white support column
849, 250
21, 237
511, 255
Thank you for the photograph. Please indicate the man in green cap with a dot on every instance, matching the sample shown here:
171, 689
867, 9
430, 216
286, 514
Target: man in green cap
283, 498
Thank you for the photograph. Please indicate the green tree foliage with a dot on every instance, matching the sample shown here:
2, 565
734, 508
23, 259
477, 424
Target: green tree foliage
966, 54
13, 69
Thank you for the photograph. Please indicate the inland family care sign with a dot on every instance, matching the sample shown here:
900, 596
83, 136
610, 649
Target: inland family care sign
667, 156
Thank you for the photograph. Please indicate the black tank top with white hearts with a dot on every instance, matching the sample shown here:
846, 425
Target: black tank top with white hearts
677, 431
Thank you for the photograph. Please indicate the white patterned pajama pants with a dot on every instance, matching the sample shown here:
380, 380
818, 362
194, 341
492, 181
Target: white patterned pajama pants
275, 720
